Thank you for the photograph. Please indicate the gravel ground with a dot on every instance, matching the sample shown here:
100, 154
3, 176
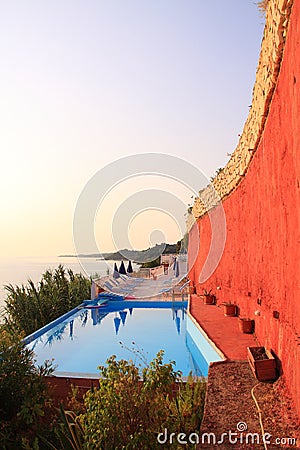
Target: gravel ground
231, 407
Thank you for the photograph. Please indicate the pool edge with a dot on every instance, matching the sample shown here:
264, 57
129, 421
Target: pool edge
206, 336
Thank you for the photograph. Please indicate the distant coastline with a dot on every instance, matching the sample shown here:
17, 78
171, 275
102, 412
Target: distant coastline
90, 255
133, 255
103, 257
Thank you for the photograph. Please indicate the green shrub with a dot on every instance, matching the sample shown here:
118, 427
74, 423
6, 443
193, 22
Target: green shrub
23, 394
30, 307
130, 409
125, 413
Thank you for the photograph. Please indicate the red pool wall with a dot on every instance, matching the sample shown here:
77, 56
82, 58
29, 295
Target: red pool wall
261, 259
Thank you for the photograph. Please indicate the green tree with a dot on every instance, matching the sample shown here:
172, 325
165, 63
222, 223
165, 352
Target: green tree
150, 264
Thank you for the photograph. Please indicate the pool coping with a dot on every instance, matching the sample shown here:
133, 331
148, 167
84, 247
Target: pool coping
206, 336
31, 337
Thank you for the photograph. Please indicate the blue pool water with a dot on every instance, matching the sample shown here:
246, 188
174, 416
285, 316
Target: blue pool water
84, 340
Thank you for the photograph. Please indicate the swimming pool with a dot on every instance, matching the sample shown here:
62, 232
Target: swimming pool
85, 338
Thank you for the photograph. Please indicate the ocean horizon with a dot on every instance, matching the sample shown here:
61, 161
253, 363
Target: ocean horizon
18, 270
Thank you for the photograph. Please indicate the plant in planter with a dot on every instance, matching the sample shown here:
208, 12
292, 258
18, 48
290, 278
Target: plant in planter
229, 309
246, 325
191, 288
262, 363
209, 298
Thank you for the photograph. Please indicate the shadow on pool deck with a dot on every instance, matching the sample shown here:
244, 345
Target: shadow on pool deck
223, 331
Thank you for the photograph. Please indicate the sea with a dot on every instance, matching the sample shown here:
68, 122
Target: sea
19, 270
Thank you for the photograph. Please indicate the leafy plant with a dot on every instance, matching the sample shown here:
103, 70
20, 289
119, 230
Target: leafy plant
206, 292
24, 396
188, 405
30, 307
131, 408
70, 432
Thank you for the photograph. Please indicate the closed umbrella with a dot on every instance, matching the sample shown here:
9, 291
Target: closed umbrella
116, 272
71, 329
117, 322
176, 270
174, 313
122, 269
182, 314
123, 315
177, 321
129, 268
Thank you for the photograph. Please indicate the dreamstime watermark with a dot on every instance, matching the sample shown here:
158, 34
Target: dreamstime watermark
239, 436
161, 197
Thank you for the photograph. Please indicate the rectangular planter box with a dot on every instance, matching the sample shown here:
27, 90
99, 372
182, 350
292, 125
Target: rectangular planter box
229, 310
209, 299
263, 368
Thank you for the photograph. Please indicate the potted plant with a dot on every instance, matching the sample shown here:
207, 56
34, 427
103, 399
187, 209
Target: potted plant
229, 309
209, 298
246, 325
191, 288
262, 363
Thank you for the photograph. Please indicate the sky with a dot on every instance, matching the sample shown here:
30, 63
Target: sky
85, 83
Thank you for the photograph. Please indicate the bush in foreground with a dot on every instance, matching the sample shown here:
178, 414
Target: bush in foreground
130, 409
24, 397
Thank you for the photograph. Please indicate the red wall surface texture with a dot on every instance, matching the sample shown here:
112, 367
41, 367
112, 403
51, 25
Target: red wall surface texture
261, 259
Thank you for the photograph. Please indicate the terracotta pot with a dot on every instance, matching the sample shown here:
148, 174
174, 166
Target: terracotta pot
209, 299
229, 310
262, 363
191, 289
246, 325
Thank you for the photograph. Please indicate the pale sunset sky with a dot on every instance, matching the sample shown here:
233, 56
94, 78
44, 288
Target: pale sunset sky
84, 83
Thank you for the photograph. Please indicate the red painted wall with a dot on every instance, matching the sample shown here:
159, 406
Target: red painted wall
261, 259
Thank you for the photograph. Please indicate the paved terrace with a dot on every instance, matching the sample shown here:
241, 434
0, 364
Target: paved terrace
223, 331
157, 287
